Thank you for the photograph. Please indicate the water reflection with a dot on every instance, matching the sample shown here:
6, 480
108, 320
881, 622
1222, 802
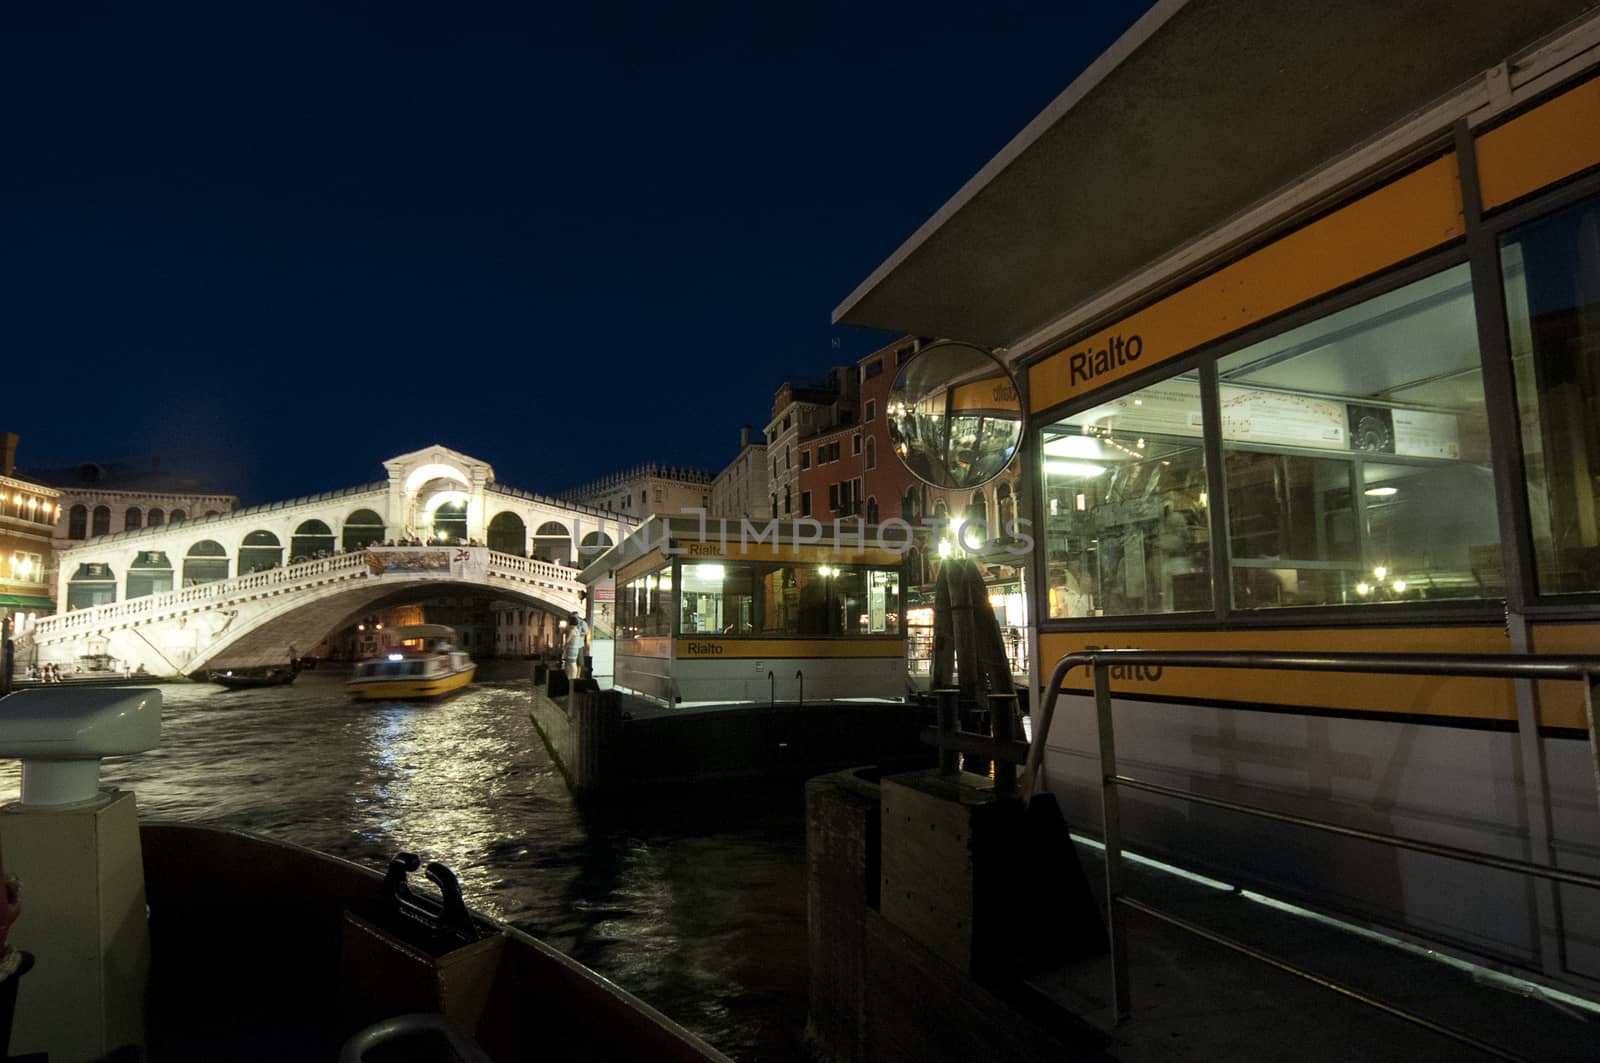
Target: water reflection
697, 904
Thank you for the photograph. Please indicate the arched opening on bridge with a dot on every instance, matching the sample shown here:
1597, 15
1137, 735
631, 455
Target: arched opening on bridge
206, 562
133, 520
362, 528
594, 544
552, 542
178, 517
428, 489
508, 534
78, 522
156, 518
450, 522
102, 520
150, 573
93, 584
311, 539
259, 552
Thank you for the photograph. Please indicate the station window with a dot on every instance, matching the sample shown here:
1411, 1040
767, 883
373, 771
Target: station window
1551, 274
644, 605
830, 600
1126, 530
1356, 456
717, 598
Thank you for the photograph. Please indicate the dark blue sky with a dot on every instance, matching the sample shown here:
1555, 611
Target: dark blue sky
277, 244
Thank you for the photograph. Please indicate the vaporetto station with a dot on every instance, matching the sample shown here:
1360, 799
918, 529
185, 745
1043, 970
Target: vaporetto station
246, 585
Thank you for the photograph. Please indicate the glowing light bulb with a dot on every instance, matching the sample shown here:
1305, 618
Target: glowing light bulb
1380, 571
1363, 588
1399, 586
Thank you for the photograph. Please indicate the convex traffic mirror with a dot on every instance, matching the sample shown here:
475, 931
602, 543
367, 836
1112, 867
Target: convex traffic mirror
954, 417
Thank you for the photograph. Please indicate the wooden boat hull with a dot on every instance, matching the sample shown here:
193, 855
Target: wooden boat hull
409, 688
247, 964
250, 682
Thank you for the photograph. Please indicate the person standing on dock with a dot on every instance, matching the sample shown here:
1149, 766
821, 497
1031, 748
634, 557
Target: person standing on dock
577, 645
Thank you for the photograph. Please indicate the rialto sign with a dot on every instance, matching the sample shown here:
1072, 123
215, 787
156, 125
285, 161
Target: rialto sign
1083, 366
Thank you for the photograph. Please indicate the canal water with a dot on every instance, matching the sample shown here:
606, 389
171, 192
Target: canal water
696, 904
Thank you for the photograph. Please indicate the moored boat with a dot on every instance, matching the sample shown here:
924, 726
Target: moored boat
423, 662
287, 983
183, 943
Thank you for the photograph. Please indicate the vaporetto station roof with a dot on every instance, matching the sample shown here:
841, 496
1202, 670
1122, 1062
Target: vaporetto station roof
1205, 122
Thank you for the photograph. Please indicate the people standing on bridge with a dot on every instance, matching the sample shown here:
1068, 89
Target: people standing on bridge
577, 645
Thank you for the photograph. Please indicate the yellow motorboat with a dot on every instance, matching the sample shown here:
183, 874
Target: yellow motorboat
422, 662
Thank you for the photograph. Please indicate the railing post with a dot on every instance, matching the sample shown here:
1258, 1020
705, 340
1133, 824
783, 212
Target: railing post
1002, 722
949, 702
1111, 821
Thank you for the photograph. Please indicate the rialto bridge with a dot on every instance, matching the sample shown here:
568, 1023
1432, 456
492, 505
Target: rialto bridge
240, 588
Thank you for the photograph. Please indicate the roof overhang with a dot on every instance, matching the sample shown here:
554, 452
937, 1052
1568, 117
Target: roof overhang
1200, 111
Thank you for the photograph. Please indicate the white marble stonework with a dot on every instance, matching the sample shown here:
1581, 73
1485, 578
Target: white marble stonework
255, 616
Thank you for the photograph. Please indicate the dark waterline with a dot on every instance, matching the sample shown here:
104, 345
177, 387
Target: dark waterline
695, 903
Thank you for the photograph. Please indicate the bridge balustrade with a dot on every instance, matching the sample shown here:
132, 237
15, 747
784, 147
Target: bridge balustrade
508, 567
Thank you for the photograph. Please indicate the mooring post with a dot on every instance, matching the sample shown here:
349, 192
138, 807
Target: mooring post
949, 701
1002, 722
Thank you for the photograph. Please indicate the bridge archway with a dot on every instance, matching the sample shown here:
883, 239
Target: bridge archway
508, 534
552, 542
206, 562
362, 528
311, 538
594, 544
93, 584
102, 521
305, 624
156, 518
260, 551
150, 573
133, 519
78, 522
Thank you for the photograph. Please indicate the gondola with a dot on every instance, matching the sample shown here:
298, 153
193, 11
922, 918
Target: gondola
242, 680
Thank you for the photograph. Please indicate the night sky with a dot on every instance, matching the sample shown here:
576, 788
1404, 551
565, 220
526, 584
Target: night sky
273, 245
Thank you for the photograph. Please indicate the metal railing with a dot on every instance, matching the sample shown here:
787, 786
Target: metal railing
1100, 662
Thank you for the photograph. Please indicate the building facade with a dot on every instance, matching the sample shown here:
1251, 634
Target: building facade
102, 499
740, 489
645, 491
29, 512
799, 412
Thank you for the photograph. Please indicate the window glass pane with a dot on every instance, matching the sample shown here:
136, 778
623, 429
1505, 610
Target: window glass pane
716, 598
1357, 456
830, 600
1125, 506
1551, 270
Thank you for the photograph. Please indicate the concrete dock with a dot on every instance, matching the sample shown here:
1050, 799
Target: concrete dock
898, 968
612, 741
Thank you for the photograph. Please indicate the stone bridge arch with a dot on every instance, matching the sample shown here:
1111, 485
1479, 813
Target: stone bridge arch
305, 623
